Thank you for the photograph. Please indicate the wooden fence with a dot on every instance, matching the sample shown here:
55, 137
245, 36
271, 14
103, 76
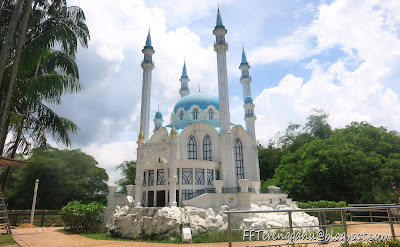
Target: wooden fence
42, 217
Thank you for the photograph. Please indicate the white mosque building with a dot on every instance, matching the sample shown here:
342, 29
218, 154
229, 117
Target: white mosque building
200, 159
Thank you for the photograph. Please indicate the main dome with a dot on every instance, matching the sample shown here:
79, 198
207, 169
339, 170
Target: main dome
202, 100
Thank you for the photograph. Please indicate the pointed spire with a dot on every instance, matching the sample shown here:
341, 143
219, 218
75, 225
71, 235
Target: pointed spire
244, 58
219, 24
148, 41
184, 72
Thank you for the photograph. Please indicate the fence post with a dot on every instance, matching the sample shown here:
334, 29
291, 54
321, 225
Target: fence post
370, 215
322, 223
291, 225
391, 223
229, 230
42, 220
344, 225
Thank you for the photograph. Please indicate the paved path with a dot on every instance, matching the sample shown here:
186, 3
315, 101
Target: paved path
56, 237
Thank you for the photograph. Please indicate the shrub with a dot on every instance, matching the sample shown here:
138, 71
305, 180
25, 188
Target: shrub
391, 243
330, 217
82, 217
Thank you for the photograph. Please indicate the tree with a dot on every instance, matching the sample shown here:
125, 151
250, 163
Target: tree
128, 172
64, 175
357, 164
269, 159
317, 125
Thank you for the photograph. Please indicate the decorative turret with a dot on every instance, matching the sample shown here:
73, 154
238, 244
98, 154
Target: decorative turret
184, 90
147, 66
158, 120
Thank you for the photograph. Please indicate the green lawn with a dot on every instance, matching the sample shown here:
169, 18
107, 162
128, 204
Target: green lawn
204, 237
6, 239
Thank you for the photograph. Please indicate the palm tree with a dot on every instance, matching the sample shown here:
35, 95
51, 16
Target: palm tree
54, 24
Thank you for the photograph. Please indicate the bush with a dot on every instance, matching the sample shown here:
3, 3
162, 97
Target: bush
330, 217
82, 217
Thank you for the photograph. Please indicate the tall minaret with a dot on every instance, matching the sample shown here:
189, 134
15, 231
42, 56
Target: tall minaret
248, 106
245, 79
184, 90
226, 144
147, 66
221, 47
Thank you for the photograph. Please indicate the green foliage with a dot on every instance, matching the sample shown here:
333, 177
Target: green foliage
330, 217
64, 175
269, 159
82, 217
357, 164
128, 172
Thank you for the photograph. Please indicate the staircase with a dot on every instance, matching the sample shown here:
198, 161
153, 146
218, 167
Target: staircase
4, 221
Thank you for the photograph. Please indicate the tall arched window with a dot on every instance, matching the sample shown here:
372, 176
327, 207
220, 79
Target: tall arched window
195, 113
238, 150
210, 114
207, 148
192, 148
181, 115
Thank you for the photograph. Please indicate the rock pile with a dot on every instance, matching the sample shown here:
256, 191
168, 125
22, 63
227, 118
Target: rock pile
134, 223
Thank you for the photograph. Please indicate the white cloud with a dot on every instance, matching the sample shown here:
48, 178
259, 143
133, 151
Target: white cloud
112, 154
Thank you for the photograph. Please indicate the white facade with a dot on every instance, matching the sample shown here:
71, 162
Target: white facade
201, 153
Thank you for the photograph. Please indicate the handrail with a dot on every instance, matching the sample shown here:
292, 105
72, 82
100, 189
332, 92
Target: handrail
392, 215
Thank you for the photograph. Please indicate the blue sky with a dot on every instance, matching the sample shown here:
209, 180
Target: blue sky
341, 56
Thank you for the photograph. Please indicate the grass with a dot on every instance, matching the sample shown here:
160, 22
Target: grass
6, 239
215, 236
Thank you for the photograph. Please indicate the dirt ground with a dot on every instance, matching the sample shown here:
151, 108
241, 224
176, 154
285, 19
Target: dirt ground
51, 237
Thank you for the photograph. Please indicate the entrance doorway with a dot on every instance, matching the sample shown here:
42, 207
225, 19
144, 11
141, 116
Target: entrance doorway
177, 198
161, 198
150, 199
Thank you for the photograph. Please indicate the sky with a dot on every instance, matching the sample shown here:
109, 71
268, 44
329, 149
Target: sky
341, 56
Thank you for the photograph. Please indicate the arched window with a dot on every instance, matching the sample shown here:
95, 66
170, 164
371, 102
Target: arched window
207, 148
192, 148
238, 150
181, 115
210, 114
195, 113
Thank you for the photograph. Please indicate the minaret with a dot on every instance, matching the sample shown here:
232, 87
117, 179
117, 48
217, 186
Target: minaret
221, 47
250, 118
184, 90
248, 106
226, 144
158, 121
245, 79
147, 66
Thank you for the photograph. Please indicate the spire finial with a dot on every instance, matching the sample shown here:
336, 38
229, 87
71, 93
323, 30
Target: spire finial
218, 5
199, 85
158, 107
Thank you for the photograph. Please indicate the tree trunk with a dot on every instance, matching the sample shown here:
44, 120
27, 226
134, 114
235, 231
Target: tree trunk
5, 51
14, 151
13, 77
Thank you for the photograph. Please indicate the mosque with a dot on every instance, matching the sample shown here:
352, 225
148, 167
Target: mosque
200, 159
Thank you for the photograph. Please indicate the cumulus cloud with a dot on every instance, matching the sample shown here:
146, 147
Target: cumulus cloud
351, 87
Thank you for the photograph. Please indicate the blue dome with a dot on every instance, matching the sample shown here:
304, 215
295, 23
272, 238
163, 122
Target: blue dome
202, 100
158, 115
248, 100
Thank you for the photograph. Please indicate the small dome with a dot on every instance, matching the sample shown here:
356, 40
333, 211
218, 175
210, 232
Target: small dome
202, 100
248, 100
158, 115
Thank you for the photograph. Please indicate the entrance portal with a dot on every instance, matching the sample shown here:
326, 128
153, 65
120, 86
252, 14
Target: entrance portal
150, 199
161, 198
